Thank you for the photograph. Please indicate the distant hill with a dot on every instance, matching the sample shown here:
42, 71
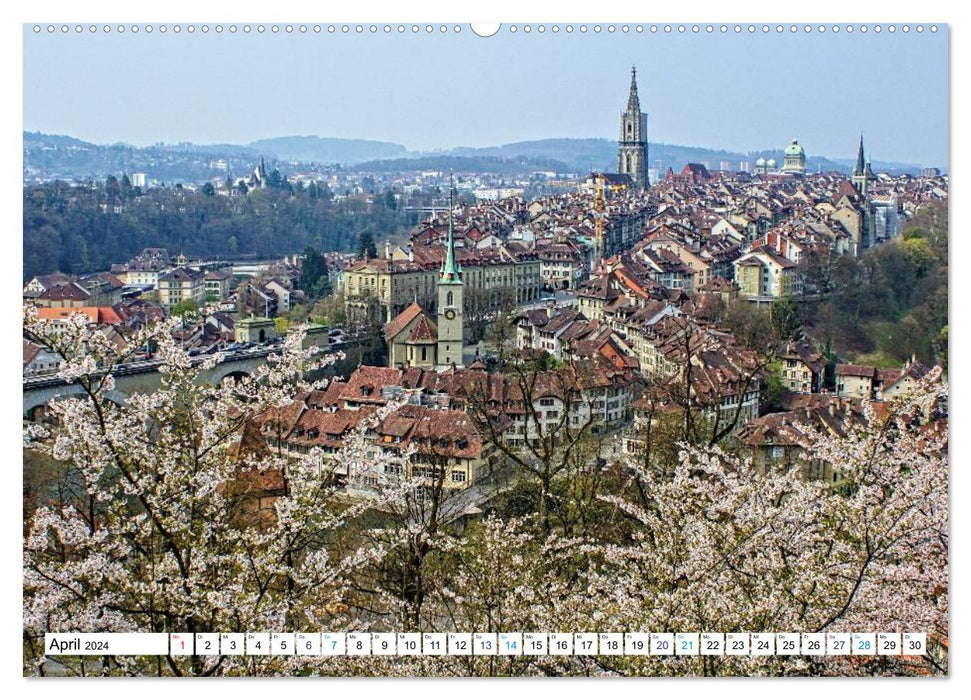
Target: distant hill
575, 154
585, 155
35, 139
444, 162
51, 156
314, 149
48, 156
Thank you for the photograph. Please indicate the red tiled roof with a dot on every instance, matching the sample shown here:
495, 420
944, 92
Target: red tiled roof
399, 322
65, 292
30, 351
424, 331
856, 371
365, 383
96, 314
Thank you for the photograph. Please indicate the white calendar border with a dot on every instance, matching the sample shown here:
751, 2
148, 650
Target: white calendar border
506, 10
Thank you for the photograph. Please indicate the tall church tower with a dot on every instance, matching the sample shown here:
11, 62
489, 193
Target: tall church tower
632, 147
450, 319
861, 173
862, 176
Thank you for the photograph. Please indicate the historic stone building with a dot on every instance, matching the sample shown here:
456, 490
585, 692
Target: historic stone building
632, 147
414, 339
795, 159
378, 289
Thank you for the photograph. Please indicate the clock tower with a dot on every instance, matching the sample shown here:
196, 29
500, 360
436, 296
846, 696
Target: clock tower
450, 320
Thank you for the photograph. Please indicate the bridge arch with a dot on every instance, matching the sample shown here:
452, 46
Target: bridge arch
37, 406
236, 375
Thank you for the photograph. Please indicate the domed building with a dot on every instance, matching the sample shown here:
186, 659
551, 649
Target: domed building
795, 161
761, 168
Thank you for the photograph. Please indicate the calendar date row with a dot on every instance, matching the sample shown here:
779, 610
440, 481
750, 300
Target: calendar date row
490, 644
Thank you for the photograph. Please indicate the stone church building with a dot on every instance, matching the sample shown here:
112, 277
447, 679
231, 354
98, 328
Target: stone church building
415, 339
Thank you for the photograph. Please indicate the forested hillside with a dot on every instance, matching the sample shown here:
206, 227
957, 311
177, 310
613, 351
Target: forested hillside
87, 228
892, 301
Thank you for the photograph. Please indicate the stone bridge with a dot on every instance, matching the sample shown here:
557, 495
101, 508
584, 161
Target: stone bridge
141, 378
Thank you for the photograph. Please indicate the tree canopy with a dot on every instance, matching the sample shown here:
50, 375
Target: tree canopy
89, 227
179, 517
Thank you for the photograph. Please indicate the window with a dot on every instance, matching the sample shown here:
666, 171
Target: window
449, 300
458, 476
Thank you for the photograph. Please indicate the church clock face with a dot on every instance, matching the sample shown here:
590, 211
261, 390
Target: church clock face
450, 314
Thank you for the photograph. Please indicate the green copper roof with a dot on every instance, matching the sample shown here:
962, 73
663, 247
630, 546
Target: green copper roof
451, 270
795, 149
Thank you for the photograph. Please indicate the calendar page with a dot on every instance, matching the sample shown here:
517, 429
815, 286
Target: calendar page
516, 349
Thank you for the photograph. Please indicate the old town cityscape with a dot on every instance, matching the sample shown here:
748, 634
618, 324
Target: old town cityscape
659, 396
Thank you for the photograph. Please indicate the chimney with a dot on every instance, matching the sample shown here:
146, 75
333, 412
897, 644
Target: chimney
387, 248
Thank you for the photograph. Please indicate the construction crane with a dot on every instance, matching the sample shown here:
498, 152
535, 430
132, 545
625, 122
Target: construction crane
598, 207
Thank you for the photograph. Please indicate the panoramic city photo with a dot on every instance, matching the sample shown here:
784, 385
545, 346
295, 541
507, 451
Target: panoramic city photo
439, 350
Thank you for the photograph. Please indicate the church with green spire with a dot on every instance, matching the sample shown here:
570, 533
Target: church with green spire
414, 338
450, 318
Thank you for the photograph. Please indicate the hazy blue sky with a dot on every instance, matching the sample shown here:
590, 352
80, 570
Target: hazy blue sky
738, 92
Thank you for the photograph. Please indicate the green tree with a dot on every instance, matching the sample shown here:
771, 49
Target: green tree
918, 252
829, 371
298, 314
323, 287
186, 307
773, 389
208, 190
112, 186
940, 344
786, 319
330, 311
365, 246
313, 268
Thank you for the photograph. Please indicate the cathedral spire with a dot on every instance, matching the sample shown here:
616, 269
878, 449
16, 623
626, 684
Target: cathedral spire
632, 145
451, 270
860, 162
633, 103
